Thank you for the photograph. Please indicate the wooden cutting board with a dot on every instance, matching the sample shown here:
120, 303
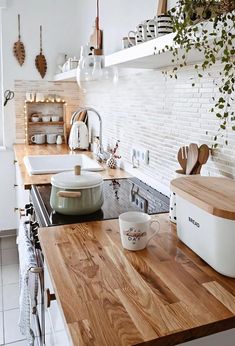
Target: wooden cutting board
96, 38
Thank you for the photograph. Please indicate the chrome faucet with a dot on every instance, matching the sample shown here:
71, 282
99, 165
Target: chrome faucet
101, 154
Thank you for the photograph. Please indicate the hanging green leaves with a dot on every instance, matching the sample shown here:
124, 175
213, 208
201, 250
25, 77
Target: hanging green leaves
215, 41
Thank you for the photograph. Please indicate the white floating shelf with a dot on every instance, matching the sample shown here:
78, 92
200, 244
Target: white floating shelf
141, 55
146, 55
66, 76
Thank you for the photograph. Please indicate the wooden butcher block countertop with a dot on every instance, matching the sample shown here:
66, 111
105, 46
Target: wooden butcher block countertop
163, 295
22, 150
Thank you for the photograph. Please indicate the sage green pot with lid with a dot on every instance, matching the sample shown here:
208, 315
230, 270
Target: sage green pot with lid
76, 192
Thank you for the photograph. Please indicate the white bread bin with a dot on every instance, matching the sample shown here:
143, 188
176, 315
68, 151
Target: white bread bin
206, 219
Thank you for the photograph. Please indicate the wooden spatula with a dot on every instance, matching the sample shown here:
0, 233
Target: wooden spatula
182, 157
203, 155
192, 158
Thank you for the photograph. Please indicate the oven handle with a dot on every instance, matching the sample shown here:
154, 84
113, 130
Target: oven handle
36, 270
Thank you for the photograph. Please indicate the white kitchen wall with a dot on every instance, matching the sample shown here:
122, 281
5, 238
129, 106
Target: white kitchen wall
60, 34
117, 18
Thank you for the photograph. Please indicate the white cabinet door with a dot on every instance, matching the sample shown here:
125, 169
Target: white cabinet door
57, 334
22, 195
7, 191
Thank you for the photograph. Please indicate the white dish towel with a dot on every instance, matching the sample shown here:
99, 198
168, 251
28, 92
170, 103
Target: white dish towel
27, 260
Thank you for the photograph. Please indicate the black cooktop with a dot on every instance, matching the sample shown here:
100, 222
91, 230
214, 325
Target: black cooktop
120, 195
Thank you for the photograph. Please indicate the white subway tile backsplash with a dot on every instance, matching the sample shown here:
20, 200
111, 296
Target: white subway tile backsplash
69, 91
162, 114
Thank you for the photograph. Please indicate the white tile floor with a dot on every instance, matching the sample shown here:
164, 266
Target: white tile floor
9, 294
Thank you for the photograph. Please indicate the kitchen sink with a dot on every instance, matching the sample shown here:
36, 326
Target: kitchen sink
49, 164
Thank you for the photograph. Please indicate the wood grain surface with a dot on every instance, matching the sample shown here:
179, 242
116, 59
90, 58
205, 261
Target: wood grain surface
212, 194
22, 150
163, 295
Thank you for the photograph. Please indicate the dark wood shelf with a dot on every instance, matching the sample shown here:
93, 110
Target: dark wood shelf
46, 123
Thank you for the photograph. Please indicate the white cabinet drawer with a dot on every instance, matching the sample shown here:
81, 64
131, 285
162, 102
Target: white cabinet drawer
57, 332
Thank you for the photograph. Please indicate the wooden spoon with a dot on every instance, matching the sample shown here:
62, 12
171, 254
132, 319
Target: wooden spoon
203, 155
182, 157
192, 158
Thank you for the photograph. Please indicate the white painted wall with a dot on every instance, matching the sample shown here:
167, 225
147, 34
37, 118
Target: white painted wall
117, 18
60, 34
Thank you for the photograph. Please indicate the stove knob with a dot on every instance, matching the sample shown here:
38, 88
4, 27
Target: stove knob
29, 205
34, 224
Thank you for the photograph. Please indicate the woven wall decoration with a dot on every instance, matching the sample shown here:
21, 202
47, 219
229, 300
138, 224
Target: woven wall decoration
18, 48
40, 61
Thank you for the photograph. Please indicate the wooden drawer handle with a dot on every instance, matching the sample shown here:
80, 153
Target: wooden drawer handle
69, 194
49, 297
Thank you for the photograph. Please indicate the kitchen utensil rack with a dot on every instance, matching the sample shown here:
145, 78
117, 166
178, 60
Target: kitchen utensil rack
46, 107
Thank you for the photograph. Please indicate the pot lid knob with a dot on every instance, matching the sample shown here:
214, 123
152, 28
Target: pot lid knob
77, 170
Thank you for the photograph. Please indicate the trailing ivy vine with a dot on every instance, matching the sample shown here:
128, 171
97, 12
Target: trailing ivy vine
208, 27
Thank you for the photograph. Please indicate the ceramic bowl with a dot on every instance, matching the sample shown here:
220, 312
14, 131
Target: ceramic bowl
46, 118
55, 118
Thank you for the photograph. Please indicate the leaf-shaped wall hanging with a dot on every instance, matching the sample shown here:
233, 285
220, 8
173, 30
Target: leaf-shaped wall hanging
40, 61
18, 48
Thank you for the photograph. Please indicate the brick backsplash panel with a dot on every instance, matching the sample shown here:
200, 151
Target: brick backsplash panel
69, 91
157, 113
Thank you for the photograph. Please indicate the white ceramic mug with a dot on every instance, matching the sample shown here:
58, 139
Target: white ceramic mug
38, 138
51, 138
30, 97
40, 97
136, 230
152, 28
137, 36
159, 26
55, 118
35, 118
141, 34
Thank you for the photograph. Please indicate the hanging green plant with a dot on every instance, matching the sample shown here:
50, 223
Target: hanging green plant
208, 27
